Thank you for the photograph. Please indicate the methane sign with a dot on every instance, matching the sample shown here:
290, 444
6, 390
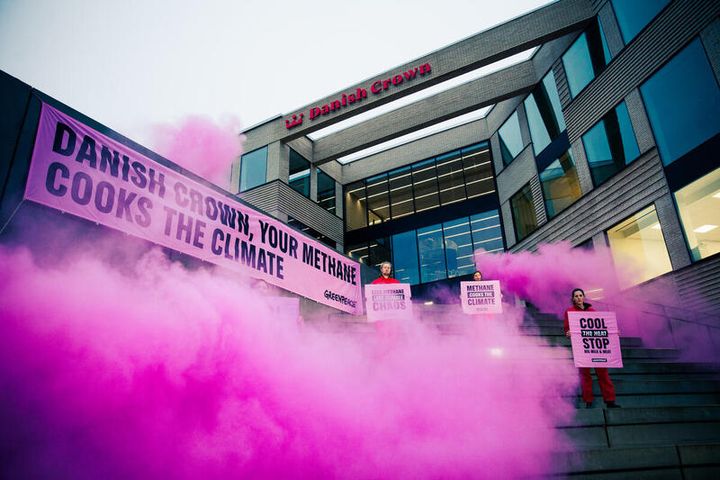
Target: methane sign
388, 302
78, 170
481, 297
595, 339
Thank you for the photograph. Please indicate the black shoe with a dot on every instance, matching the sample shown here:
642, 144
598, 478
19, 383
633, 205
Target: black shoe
588, 404
612, 405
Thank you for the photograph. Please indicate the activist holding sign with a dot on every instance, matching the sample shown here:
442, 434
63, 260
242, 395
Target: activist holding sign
388, 306
479, 298
606, 385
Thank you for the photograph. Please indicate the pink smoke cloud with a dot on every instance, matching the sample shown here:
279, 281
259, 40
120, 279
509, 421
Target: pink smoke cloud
200, 145
158, 371
546, 278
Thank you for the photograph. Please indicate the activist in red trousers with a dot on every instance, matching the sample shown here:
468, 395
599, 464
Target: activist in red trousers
606, 386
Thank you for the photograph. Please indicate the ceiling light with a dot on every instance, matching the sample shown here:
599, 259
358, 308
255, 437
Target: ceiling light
705, 228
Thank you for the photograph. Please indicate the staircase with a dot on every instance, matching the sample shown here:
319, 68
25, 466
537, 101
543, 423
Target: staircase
669, 426
669, 423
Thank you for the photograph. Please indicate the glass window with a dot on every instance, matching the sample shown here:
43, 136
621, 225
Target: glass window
425, 185
299, 179
405, 257
511, 143
478, 170
450, 177
638, 244
458, 248
633, 15
401, 192
560, 184
432, 256
325, 191
683, 101
487, 232
253, 169
610, 145
377, 199
523, 212
311, 232
355, 206
379, 250
544, 113
586, 58
699, 206
358, 252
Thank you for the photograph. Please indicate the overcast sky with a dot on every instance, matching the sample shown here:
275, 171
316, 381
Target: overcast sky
130, 64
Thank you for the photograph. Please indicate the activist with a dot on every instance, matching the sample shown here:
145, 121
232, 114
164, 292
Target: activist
606, 385
385, 271
477, 276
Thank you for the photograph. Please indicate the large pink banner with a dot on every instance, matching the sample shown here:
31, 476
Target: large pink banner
595, 339
388, 302
78, 170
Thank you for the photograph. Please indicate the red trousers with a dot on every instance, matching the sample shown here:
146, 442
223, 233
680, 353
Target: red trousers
606, 386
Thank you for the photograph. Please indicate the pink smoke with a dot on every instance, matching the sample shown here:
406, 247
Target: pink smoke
202, 146
159, 372
547, 277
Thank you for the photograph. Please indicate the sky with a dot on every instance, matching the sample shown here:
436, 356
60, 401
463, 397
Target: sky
138, 63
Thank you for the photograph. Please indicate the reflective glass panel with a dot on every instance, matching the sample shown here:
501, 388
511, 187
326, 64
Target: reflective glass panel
355, 206
299, 179
633, 15
610, 145
699, 206
585, 58
511, 143
358, 252
683, 100
378, 200
478, 171
425, 185
638, 248
379, 250
253, 169
544, 113
523, 212
450, 177
487, 232
432, 254
401, 192
560, 184
458, 247
405, 257
325, 191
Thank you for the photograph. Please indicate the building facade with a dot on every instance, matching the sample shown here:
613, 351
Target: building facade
605, 132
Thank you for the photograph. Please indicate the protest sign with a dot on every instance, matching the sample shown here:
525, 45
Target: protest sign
78, 170
388, 302
595, 339
481, 297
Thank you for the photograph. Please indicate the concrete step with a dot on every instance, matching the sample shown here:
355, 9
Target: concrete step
593, 417
685, 461
654, 434
660, 400
631, 387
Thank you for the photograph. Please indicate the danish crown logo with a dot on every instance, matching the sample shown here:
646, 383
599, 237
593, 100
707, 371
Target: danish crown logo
347, 99
295, 121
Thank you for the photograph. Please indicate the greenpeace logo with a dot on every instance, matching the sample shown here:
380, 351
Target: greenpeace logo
339, 298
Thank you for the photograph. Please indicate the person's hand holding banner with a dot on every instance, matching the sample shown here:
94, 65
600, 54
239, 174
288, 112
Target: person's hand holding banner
595, 339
